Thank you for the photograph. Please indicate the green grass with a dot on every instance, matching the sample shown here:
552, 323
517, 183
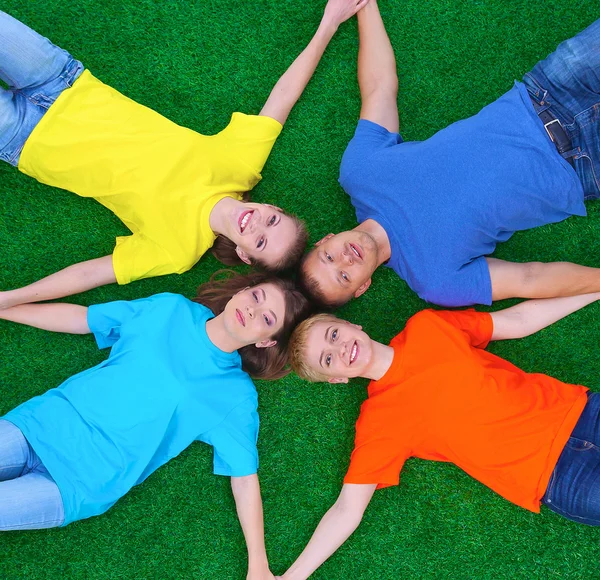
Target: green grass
196, 62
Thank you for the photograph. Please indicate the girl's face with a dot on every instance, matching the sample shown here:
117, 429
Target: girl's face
256, 314
261, 231
339, 350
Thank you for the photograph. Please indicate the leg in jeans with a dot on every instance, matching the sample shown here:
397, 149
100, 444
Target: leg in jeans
568, 84
574, 487
36, 72
29, 498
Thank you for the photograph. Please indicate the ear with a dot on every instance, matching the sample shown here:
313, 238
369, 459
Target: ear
323, 240
338, 380
243, 256
265, 343
362, 288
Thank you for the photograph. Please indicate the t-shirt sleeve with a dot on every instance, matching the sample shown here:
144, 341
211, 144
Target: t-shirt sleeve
376, 458
251, 138
105, 320
136, 257
470, 284
477, 326
368, 138
234, 441
376, 462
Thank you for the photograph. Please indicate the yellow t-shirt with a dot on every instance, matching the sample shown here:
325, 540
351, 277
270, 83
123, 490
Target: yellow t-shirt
160, 179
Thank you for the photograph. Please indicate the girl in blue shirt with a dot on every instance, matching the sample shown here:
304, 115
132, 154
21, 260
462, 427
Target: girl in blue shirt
174, 375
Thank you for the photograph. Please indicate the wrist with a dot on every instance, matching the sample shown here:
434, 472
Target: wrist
328, 28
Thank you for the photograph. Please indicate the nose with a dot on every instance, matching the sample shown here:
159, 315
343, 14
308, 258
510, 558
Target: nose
344, 351
254, 222
250, 311
347, 257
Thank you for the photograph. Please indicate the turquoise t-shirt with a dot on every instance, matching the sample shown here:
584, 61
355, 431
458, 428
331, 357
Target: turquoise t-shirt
164, 385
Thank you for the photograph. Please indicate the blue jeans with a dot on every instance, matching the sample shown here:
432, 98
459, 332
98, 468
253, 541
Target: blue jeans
567, 83
29, 498
574, 487
36, 72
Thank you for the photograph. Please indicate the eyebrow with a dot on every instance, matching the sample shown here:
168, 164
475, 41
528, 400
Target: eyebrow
264, 296
323, 352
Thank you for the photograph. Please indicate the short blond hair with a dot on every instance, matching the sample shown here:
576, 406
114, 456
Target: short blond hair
297, 348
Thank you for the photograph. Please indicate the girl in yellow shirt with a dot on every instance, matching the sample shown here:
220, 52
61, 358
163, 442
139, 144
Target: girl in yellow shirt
176, 190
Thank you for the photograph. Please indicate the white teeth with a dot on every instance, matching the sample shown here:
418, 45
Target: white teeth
355, 251
245, 220
353, 353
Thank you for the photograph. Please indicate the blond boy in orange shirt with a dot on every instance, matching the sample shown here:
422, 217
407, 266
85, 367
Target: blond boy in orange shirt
437, 394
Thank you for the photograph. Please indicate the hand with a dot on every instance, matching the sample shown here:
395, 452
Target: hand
338, 11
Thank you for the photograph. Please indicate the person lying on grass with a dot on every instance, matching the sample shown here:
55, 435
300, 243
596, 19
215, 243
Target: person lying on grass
175, 189
437, 394
176, 373
434, 210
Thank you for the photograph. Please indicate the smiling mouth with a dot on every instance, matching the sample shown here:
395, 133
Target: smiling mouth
245, 220
240, 317
356, 251
354, 352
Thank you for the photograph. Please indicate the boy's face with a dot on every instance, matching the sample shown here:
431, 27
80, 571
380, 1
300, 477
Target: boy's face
343, 264
339, 350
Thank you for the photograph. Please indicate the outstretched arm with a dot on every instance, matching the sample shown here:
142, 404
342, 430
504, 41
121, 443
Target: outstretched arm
532, 315
377, 76
291, 85
333, 530
246, 491
69, 318
72, 280
541, 279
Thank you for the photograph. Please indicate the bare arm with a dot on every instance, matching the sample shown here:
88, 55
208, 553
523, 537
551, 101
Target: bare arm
377, 76
246, 491
69, 318
72, 280
533, 315
291, 85
541, 279
333, 530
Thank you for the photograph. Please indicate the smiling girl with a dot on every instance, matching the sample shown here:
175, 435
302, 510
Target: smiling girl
177, 372
175, 189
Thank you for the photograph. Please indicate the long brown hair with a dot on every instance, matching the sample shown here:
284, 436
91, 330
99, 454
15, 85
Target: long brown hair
260, 363
224, 249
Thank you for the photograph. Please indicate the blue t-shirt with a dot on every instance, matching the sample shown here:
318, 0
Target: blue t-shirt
164, 385
446, 202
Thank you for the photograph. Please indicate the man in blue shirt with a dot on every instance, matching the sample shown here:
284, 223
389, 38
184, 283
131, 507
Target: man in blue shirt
435, 210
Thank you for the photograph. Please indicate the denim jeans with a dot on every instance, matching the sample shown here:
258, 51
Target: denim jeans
29, 498
36, 72
567, 83
574, 487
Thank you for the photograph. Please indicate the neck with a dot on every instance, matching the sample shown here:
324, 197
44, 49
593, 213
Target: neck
383, 355
384, 250
218, 216
218, 335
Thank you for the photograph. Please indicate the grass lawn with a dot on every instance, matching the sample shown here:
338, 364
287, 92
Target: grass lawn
196, 63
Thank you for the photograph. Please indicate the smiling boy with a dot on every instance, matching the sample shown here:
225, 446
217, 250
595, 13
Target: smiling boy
437, 394
435, 210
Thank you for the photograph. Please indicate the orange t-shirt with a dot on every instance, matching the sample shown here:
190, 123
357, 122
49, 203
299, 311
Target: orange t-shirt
445, 398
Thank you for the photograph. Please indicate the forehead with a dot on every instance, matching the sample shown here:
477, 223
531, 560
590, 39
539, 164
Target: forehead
326, 274
281, 236
274, 298
316, 342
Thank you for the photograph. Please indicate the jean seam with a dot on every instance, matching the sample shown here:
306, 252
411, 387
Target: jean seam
57, 521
